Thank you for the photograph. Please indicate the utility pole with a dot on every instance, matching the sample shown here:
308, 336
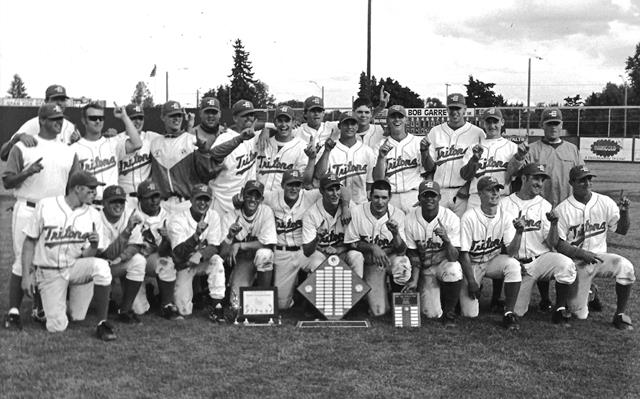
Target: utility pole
369, 40
624, 82
529, 94
446, 91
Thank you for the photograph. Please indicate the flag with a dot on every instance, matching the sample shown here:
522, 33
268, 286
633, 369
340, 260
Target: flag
153, 71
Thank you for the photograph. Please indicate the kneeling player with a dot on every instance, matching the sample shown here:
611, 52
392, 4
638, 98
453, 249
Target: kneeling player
377, 231
585, 219
433, 250
60, 246
195, 237
484, 232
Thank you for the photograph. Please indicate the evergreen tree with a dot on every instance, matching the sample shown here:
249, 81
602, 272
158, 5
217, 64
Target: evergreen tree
17, 88
480, 94
242, 82
142, 95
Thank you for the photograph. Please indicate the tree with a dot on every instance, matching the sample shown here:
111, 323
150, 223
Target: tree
575, 101
142, 95
366, 86
242, 82
633, 71
611, 94
433, 102
293, 103
17, 88
221, 93
400, 95
480, 94
262, 98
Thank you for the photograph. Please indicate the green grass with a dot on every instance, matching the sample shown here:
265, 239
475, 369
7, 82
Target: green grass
194, 358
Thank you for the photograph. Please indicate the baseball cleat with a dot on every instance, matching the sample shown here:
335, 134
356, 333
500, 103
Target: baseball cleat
128, 317
594, 303
12, 321
448, 319
170, 312
215, 313
545, 305
561, 316
510, 321
622, 322
37, 315
104, 331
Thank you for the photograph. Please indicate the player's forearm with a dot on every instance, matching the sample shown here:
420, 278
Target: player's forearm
514, 245
15, 179
428, 163
164, 249
451, 253
380, 169
219, 152
469, 170
250, 245
307, 175
467, 268
415, 273
514, 165
90, 252
623, 223
309, 248
568, 250
28, 250
553, 237
414, 257
321, 166
364, 246
6, 148
398, 245
117, 247
183, 250
208, 252
134, 142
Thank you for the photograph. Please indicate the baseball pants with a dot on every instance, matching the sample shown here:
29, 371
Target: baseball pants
400, 270
22, 215
354, 260
429, 286
54, 283
243, 273
502, 266
156, 266
449, 199
286, 265
213, 268
612, 266
548, 266
404, 201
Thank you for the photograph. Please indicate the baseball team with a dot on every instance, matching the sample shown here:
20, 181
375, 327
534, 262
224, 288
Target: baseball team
205, 210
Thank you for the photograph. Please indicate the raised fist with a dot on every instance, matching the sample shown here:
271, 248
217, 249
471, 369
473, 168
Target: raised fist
329, 144
477, 151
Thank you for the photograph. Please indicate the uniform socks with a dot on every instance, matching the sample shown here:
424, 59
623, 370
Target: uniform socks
101, 297
15, 292
510, 295
450, 294
562, 294
622, 293
130, 289
166, 289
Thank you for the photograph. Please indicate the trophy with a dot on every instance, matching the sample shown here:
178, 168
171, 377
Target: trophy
258, 307
406, 309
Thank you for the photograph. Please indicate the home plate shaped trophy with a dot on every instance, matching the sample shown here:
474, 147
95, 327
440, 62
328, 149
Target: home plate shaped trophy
333, 289
406, 309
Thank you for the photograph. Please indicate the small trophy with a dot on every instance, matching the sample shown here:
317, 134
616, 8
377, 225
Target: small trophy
406, 309
258, 306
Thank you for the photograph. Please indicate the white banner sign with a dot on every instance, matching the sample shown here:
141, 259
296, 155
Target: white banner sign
636, 150
606, 149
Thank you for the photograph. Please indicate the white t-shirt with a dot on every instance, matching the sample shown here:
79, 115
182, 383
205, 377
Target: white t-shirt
484, 236
365, 226
373, 136
537, 225
100, 158
403, 163
419, 230
289, 219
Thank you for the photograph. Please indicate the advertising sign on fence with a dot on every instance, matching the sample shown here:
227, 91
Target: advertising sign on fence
636, 150
606, 149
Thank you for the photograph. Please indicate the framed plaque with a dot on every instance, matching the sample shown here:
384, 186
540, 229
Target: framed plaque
258, 305
406, 309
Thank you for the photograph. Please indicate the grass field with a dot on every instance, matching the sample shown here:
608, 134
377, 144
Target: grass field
194, 358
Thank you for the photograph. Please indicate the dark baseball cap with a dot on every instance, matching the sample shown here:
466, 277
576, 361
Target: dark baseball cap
171, 108
428, 186
254, 185
346, 116
134, 110
147, 189
291, 176
493, 112
112, 193
50, 111
396, 109
55, 91
83, 178
329, 180
551, 115
534, 169
210, 103
313, 102
488, 182
285, 110
201, 190
456, 100
579, 172
242, 107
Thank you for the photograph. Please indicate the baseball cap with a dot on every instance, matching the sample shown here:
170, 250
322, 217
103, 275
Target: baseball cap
112, 193
291, 176
55, 91
254, 185
284, 110
147, 188
534, 169
172, 108
551, 115
579, 172
201, 190
428, 186
492, 113
396, 109
456, 100
242, 107
134, 110
488, 182
210, 103
347, 116
313, 102
50, 111
83, 178
329, 180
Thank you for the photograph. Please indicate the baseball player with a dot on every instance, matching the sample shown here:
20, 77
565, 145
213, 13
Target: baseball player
248, 245
34, 173
585, 218
370, 133
59, 254
99, 155
433, 244
349, 159
484, 232
27, 133
377, 231
151, 239
118, 223
135, 167
539, 237
315, 126
195, 237
209, 128
447, 144
400, 160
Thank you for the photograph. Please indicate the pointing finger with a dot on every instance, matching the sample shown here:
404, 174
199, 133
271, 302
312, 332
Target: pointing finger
93, 227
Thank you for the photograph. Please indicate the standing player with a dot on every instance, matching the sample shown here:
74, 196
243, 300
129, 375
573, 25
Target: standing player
433, 244
59, 253
447, 144
585, 219
315, 127
195, 237
349, 159
370, 133
34, 173
484, 232
400, 159
540, 236
248, 245
209, 128
377, 231
98, 155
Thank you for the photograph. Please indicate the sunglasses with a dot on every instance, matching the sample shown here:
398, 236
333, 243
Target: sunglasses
58, 119
137, 118
96, 118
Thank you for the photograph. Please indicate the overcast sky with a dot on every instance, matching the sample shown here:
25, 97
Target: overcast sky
102, 49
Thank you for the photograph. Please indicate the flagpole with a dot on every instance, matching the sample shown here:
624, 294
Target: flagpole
166, 97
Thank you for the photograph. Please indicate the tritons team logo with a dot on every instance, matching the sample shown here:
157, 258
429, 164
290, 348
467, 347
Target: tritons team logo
58, 235
605, 147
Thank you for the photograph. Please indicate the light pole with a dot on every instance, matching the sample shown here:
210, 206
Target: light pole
529, 93
446, 91
368, 40
624, 82
319, 87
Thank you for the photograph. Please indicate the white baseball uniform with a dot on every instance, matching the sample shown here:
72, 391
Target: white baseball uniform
278, 158
135, 167
134, 267
180, 227
372, 136
484, 237
537, 259
403, 170
100, 158
320, 135
585, 226
32, 128
61, 234
421, 232
353, 166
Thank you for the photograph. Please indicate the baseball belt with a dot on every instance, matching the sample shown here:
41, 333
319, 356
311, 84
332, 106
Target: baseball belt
287, 248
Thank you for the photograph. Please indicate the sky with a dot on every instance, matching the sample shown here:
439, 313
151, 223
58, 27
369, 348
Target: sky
101, 50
